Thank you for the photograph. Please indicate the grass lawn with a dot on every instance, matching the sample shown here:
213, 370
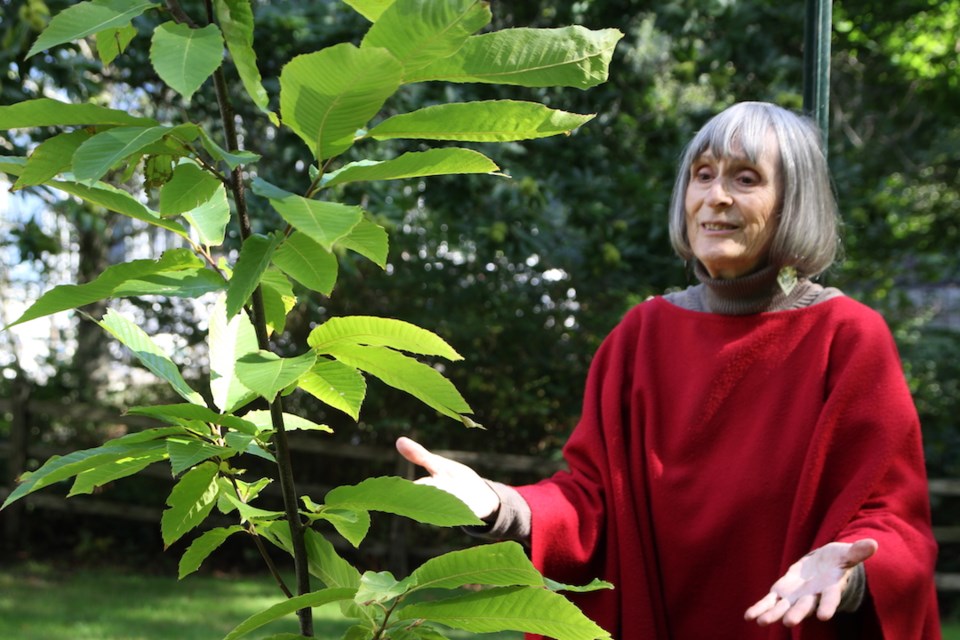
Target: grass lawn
39, 603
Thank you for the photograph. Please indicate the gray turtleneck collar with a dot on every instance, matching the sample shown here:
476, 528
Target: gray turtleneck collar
757, 292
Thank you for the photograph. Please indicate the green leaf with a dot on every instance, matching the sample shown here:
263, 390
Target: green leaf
51, 157
47, 112
351, 524
97, 155
278, 299
377, 587
71, 296
369, 9
122, 467
315, 599
566, 57
255, 256
233, 159
59, 468
180, 413
87, 18
186, 452
268, 373
152, 357
337, 385
184, 283
202, 547
369, 240
183, 57
323, 222
190, 502
117, 200
307, 262
422, 503
401, 372
416, 164
379, 332
236, 20
482, 121
502, 564
527, 609
250, 513
326, 96
594, 585
210, 219
262, 419
417, 32
323, 559
227, 341
114, 41
189, 187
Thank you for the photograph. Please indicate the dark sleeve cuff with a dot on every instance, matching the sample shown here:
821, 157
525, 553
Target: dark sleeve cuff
512, 520
853, 593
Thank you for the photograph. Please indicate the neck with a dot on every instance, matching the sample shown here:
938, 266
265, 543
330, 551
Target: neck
752, 293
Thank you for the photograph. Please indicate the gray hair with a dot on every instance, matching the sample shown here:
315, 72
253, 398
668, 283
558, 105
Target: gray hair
807, 234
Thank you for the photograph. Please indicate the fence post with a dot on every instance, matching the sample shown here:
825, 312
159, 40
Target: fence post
17, 460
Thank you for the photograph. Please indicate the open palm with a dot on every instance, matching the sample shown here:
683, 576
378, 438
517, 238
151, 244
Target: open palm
815, 583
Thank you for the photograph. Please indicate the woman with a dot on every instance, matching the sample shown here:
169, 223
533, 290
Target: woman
749, 431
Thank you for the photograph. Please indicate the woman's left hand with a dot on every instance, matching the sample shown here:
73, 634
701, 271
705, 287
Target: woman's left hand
814, 583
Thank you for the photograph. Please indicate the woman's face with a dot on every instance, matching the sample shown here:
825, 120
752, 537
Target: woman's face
732, 206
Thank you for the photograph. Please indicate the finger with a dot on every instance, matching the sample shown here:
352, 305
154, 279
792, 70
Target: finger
775, 613
416, 453
861, 550
800, 610
762, 606
829, 601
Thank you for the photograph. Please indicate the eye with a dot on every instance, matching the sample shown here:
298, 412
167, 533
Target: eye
702, 173
748, 178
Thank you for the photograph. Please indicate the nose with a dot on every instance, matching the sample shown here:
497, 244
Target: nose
717, 194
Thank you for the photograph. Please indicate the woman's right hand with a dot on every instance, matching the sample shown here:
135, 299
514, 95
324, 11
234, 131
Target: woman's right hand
454, 478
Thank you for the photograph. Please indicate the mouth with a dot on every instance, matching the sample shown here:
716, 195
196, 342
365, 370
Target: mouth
718, 226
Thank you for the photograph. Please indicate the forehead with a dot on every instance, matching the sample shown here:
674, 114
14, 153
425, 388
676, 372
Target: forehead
757, 147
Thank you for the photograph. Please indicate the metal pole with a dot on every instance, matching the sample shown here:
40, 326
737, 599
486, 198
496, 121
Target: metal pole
817, 29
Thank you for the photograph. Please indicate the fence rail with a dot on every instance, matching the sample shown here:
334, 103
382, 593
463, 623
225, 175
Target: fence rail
16, 451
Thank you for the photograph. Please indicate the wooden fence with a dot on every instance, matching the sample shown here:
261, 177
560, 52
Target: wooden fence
17, 451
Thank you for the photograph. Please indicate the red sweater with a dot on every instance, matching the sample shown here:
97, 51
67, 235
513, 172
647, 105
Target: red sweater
715, 450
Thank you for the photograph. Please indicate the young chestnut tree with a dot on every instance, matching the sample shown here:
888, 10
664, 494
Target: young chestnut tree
196, 185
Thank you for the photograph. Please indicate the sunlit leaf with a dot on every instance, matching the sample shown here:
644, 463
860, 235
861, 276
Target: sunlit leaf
185, 452
179, 413
187, 188
191, 500
184, 57
71, 296
278, 299
482, 121
565, 57
152, 357
369, 240
382, 332
417, 32
268, 374
307, 262
227, 341
407, 374
326, 96
87, 18
114, 41
416, 164
337, 385
527, 609
47, 112
369, 9
235, 18
202, 547
255, 256
502, 564
288, 606
390, 494
104, 150
52, 156
323, 222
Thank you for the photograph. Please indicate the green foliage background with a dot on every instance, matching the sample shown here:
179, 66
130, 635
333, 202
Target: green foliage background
525, 276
